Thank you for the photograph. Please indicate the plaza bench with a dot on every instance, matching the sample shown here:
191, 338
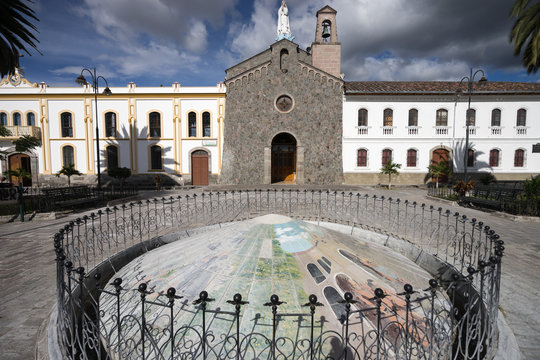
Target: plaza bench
69, 197
492, 198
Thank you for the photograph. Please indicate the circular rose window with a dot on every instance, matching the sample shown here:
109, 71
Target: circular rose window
284, 103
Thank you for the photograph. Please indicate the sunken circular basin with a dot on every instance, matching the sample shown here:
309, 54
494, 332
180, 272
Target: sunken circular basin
256, 258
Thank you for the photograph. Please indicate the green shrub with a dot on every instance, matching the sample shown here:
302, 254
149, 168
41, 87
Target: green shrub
487, 178
121, 173
532, 187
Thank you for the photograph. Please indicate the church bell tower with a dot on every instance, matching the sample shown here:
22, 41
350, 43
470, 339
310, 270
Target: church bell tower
326, 50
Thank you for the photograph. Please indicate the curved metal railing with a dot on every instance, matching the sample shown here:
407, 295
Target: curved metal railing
91, 249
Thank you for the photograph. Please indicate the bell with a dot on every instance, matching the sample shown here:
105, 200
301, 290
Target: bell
325, 31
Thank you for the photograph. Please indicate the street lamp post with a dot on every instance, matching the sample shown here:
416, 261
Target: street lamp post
95, 82
470, 84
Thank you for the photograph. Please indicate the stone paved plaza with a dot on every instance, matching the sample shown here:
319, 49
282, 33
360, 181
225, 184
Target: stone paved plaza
27, 272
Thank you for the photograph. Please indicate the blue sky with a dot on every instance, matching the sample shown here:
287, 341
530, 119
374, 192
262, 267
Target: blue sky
158, 42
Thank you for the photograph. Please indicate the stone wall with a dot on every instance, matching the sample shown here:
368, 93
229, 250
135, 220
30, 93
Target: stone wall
252, 119
419, 178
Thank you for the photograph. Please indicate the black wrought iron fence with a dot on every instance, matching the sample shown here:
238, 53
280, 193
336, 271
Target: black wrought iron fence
455, 317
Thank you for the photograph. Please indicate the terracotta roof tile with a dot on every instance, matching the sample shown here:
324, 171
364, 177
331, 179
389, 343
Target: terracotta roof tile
438, 87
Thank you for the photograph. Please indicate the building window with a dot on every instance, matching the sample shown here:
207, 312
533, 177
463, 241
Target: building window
411, 158
388, 117
3, 119
112, 157
67, 124
471, 117
386, 156
192, 124
155, 124
442, 118
494, 158
68, 157
206, 124
362, 117
413, 117
31, 119
110, 124
496, 117
17, 119
361, 159
519, 156
156, 158
470, 158
521, 117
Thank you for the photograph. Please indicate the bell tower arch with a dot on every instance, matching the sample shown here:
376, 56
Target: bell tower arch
326, 50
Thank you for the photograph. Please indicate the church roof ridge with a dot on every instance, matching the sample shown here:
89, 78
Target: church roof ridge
438, 87
327, 8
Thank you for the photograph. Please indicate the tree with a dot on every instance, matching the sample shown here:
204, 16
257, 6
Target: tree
390, 169
15, 33
69, 171
439, 169
26, 143
23, 144
4, 132
525, 33
121, 173
19, 173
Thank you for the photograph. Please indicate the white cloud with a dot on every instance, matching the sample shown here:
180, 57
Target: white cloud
196, 38
152, 58
180, 21
258, 34
391, 68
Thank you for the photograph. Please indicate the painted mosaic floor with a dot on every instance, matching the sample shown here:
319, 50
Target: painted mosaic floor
268, 255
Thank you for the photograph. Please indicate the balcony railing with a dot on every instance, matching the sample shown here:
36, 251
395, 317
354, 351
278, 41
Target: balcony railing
388, 130
18, 131
441, 130
472, 130
412, 130
362, 130
496, 130
521, 130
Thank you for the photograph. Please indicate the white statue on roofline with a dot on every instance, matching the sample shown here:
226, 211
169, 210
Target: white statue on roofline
283, 28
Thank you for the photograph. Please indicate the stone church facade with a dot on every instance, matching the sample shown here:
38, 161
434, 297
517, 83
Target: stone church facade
284, 114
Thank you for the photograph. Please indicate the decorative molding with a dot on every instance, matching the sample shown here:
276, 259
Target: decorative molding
245, 75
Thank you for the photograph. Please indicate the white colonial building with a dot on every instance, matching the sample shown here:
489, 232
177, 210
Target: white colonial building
174, 131
418, 123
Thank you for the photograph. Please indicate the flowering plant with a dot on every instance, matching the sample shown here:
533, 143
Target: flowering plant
461, 187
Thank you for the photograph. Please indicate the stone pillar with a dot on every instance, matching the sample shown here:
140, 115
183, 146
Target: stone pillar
300, 165
267, 165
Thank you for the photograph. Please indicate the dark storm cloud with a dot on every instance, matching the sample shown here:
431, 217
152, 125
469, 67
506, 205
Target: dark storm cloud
472, 32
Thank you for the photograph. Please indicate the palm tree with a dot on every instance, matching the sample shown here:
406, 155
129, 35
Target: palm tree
439, 169
390, 169
69, 171
19, 173
4, 132
15, 33
525, 33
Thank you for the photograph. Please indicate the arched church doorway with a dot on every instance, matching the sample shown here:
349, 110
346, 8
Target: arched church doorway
283, 158
199, 167
438, 155
21, 161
